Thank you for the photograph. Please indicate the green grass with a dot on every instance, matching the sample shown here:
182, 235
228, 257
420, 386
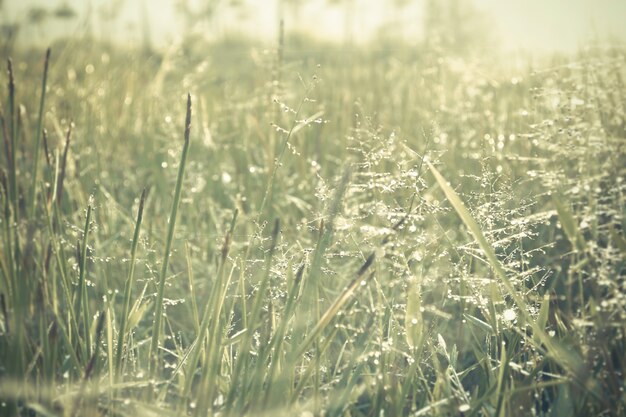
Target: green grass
412, 231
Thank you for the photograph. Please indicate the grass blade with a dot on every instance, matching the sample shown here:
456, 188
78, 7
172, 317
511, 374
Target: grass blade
561, 355
471, 224
82, 302
211, 314
44, 80
128, 287
158, 312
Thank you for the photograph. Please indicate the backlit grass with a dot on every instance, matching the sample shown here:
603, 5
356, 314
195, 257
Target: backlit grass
382, 230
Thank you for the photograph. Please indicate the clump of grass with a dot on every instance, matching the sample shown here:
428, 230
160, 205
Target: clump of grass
388, 290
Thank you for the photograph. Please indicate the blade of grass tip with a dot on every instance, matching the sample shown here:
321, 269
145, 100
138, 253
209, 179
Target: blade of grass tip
128, 288
33, 188
561, 355
156, 328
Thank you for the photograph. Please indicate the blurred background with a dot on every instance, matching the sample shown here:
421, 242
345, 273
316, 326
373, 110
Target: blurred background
537, 25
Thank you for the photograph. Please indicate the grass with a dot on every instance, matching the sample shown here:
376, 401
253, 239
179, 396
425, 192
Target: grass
422, 231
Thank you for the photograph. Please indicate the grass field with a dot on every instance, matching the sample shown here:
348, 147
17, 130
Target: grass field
315, 230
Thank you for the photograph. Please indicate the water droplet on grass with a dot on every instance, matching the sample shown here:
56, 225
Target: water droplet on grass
509, 314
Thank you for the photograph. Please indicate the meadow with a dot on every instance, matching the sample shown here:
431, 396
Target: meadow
315, 230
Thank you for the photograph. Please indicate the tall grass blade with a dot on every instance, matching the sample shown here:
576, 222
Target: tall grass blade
12, 139
33, 188
561, 355
158, 312
128, 288
473, 227
82, 301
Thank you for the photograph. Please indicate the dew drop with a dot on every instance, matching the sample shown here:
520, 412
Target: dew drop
509, 314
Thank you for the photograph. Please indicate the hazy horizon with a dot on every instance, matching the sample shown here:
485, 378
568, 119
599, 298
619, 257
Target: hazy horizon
533, 24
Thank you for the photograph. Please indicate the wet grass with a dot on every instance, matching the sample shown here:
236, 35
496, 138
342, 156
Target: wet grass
322, 231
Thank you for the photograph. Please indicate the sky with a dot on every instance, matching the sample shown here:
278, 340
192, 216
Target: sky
536, 25
556, 24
